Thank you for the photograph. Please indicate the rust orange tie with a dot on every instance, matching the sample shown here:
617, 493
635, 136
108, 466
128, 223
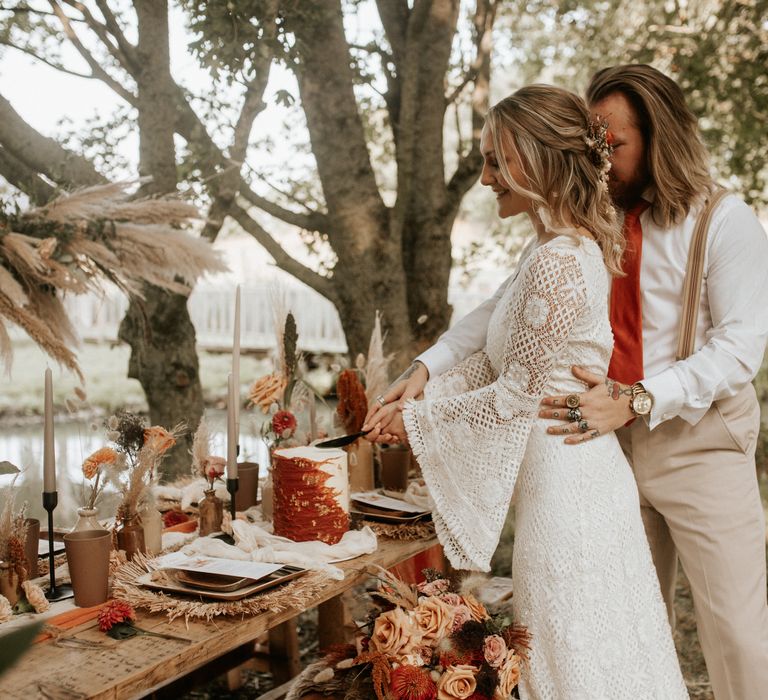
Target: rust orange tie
626, 304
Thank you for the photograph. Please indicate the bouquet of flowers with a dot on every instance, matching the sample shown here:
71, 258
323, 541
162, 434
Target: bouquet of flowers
94, 468
428, 642
274, 393
141, 450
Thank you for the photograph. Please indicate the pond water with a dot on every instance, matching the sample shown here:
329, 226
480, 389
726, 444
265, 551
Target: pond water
75, 440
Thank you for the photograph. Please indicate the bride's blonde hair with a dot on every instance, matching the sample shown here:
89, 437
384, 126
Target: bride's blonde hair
549, 130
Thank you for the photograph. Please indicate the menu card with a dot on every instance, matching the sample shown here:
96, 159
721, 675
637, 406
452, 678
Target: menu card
213, 565
377, 500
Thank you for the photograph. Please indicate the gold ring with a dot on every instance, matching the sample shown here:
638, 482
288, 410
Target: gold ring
572, 400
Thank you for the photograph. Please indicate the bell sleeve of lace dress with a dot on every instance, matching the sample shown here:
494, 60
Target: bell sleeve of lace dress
470, 444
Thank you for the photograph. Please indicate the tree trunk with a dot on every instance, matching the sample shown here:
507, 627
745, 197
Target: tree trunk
159, 329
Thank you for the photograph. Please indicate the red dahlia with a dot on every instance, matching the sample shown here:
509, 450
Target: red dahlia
114, 612
282, 421
412, 683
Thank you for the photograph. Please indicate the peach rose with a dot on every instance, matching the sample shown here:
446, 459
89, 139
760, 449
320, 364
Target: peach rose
461, 614
433, 619
451, 599
436, 587
495, 650
477, 609
509, 676
394, 633
457, 683
266, 391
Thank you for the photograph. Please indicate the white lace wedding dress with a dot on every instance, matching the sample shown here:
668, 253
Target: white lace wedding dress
584, 582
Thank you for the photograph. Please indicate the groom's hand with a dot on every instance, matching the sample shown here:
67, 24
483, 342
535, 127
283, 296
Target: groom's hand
603, 408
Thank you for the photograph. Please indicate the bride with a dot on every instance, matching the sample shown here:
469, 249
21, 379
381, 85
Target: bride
584, 582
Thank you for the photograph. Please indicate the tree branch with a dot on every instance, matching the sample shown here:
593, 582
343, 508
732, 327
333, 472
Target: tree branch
320, 284
44, 60
128, 49
25, 178
42, 154
94, 65
101, 31
312, 221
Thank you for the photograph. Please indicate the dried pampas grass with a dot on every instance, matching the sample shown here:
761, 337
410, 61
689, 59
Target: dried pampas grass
376, 370
79, 240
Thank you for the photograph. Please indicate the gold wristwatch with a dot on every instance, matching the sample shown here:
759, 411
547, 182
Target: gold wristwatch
641, 402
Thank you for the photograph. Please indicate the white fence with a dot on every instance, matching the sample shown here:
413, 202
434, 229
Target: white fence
97, 317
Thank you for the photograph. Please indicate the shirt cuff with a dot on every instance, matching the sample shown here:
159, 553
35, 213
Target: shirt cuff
437, 359
668, 396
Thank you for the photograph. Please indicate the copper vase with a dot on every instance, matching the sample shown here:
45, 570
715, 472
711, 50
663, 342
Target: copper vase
9, 582
130, 536
211, 510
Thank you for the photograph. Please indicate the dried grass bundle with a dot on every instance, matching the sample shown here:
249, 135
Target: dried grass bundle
80, 239
376, 370
201, 448
392, 589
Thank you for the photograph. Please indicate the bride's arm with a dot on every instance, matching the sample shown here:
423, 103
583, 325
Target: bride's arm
470, 445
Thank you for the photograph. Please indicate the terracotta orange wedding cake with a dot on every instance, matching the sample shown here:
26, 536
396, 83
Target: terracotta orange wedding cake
311, 493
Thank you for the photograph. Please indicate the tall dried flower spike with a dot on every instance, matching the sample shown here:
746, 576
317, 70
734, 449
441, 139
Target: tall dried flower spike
353, 405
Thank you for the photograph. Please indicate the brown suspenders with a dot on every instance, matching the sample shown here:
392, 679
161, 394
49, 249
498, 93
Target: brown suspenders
694, 274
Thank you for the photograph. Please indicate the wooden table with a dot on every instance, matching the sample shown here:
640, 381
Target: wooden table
138, 666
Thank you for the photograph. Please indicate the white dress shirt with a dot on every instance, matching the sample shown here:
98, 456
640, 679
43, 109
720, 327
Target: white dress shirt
732, 326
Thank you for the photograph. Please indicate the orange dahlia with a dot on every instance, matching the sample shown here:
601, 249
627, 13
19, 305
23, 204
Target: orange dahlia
412, 683
284, 424
101, 458
113, 613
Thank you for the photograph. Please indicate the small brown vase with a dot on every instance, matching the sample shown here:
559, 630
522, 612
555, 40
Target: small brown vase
211, 513
30, 546
395, 462
130, 536
88, 562
9, 582
247, 485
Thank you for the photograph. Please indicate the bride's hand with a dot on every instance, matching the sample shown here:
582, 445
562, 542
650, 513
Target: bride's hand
393, 434
603, 408
409, 385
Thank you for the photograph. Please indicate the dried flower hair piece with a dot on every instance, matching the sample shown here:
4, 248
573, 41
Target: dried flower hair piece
599, 142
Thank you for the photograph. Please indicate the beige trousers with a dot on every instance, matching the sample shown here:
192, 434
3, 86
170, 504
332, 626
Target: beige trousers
700, 502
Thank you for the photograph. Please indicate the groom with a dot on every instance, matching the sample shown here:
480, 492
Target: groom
692, 446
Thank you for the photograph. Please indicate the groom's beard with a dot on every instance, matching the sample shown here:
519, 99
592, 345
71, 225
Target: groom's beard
626, 193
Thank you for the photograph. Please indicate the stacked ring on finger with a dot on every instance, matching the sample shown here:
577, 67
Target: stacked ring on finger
583, 426
380, 400
572, 400
574, 414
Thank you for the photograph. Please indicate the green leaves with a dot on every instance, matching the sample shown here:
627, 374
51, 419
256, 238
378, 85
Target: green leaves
14, 644
7, 468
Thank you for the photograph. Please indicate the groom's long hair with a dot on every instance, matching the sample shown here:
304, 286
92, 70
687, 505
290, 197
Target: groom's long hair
676, 158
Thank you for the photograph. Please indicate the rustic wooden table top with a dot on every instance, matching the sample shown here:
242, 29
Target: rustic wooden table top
134, 667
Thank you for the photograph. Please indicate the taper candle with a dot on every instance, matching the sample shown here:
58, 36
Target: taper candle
231, 431
49, 458
236, 360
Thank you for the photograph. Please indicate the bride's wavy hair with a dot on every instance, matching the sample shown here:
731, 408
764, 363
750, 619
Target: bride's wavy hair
676, 158
549, 130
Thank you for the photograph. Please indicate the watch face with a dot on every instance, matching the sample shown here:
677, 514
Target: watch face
642, 404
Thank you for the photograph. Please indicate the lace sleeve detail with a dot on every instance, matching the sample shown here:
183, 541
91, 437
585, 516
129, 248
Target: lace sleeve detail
471, 373
470, 445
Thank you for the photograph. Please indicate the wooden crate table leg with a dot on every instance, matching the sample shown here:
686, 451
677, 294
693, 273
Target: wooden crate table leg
284, 651
333, 623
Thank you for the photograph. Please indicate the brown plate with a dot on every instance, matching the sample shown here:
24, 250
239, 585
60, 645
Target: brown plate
374, 510
210, 582
388, 517
170, 584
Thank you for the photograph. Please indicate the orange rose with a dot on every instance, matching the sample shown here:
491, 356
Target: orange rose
476, 608
158, 439
101, 458
457, 683
509, 676
433, 619
394, 633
